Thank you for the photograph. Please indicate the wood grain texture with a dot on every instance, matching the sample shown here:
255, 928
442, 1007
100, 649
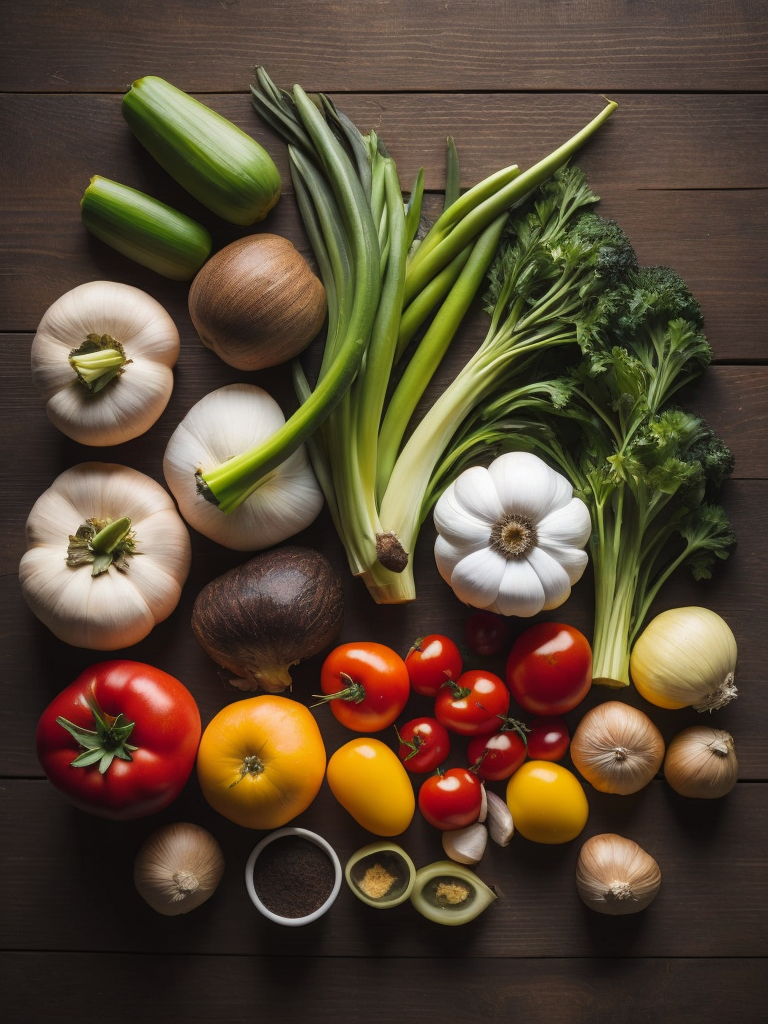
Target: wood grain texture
681, 202
683, 166
704, 849
487, 45
208, 990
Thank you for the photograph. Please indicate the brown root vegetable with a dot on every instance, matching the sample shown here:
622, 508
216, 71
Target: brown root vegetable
257, 303
262, 617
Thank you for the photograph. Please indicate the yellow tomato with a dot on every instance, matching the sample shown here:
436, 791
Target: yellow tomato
547, 802
261, 761
369, 781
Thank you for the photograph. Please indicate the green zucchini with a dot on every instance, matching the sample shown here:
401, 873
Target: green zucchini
217, 163
144, 229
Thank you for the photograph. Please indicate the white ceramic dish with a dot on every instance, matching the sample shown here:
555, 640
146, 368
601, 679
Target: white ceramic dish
311, 837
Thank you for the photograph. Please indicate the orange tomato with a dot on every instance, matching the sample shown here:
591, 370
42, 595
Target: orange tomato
261, 761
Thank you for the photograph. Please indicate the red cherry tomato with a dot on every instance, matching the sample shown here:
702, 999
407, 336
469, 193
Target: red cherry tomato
548, 739
424, 744
473, 704
549, 669
120, 741
498, 756
451, 799
432, 660
366, 685
486, 633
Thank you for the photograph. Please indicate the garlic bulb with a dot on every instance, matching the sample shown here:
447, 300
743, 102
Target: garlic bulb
510, 537
226, 422
616, 876
617, 748
177, 868
103, 359
107, 556
701, 762
685, 657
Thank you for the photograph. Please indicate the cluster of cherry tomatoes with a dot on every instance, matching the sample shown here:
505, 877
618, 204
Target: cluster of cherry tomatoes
548, 672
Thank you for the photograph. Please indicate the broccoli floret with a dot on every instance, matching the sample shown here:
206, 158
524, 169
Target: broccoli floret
610, 249
658, 319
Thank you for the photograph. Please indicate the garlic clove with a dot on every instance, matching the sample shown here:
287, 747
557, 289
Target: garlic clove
466, 845
483, 806
500, 824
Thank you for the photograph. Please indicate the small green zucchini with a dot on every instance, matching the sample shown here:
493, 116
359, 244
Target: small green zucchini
217, 163
144, 229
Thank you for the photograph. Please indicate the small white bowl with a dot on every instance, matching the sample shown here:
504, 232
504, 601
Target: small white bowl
311, 837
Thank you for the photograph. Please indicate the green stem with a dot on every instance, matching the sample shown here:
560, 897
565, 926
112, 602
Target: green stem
431, 258
102, 543
98, 361
107, 740
230, 483
432, 349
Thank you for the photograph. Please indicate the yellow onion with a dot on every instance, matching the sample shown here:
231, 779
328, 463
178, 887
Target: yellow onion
257, 303
616, 876
685, 657
617, 748
701, 763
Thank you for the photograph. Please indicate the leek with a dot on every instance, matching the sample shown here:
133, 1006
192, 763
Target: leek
415, 294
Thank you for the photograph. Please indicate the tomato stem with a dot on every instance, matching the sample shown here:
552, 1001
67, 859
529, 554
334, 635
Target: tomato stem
414, 744
102, 744
353, 692
458, 692
252, 765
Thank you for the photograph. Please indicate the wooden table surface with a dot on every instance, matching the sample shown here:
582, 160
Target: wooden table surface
682, 166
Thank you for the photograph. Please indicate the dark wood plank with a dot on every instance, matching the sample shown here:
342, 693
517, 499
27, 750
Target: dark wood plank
208, 990
484, 45
706, 850
681, 201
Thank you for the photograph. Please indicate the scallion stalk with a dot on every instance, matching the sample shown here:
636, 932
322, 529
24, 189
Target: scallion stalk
229, 484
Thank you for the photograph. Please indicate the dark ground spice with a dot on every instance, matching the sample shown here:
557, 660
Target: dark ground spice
293, 876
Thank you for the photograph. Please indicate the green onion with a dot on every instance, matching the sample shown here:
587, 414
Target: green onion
144, 229
217, 163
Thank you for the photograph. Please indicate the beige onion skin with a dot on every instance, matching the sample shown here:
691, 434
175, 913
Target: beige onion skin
257, 303
616, 876
701, 763
129, 405
178, 868
617, 748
